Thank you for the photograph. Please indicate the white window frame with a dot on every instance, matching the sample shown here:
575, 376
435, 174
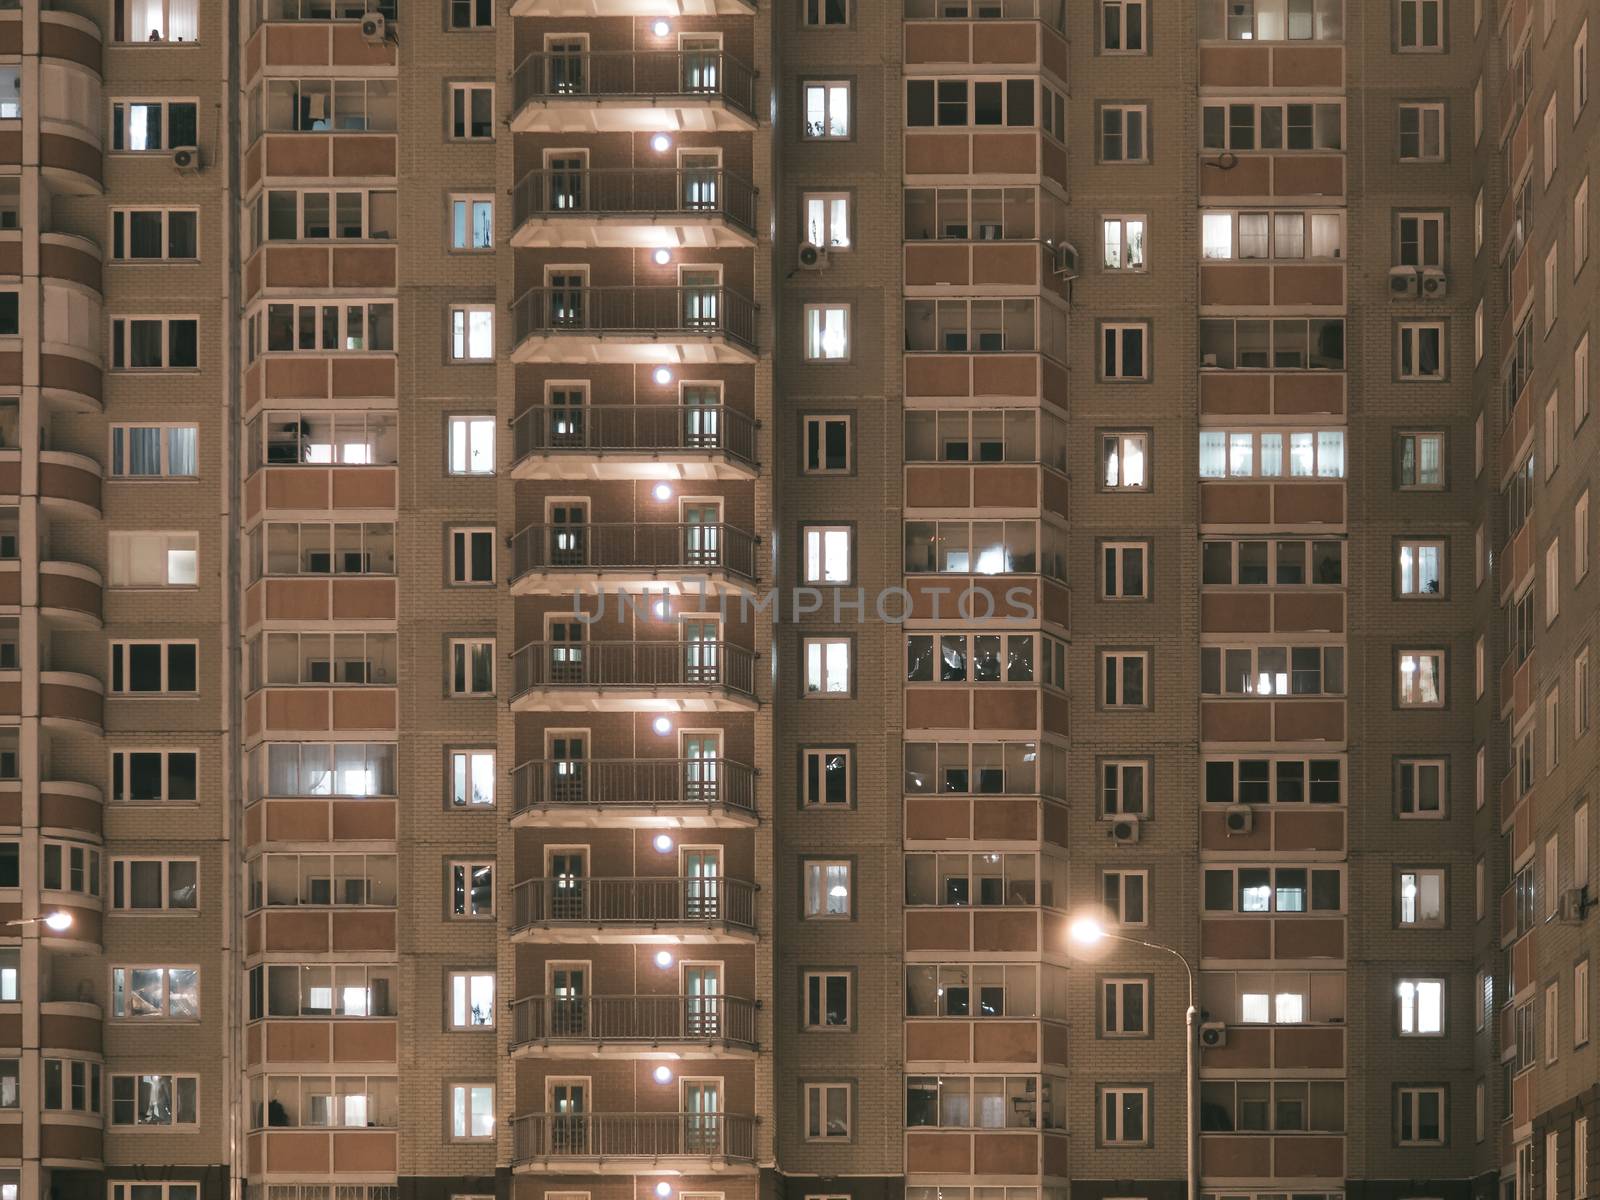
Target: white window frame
823, 688
1418, 10
1415, 767
823, 223
126, 322
1417, 439
818, 544
1415, 548
818, 328
1582, 1007
1112, 1134
462, 323
458, 999
1411, 1018
119, 434
1123, 112
119, 650
1117, 782
466, 91
172, 1082
1125, 439
463, 765
166, 992
123, 1190
465, 867
1113, 353
820, 755
1418, 874
825, 131
128, 103
1425, 115
822, 976
1117, 248
1120, 657
1550, 141
462, 1097
120, 873
120, 544
1407, 1097
120, 226
1580, 227
1408, 346
1580, 693
817, 1095
1112, 991
1580, 86
820, 867
1114, 14
166, 769
1552, 1021
1552, 581
465, 647
466, 430
469, 202
1552, 286
460, 552
1113, 556
1122, 878
820, 422
1580, 381
1440, 675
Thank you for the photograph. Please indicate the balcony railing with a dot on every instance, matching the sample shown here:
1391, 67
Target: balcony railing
588, 192
653, 312
633, 1135
644, 74
634, 783
697, 900
634, 1019
623, 428
657, 546
580, 666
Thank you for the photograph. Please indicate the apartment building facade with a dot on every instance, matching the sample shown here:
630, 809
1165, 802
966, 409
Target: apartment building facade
595, 586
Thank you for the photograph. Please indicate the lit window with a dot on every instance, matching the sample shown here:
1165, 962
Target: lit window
471, 778
826, 106
471, 999
1123, 461
1422, 899
827, 666
1421, 678
472, 445
827, 553
1421, 569
153, 560
1124, 243
827, 332
154, 451
143, 126
1421, 1007
472, 222
471, 333
471, 1112
827, 889
827, 216
157, 22
148, 1101
472, 889
155, 993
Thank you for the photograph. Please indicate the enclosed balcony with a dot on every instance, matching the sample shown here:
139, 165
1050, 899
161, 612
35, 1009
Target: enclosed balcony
691, 909
699, 323
627, 1142
683, 676
650, 1026
625, 206
658, 793
632, 8
634, 441
576, 90
665, 556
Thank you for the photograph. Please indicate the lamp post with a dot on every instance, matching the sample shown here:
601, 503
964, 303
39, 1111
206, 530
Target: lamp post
1086, 931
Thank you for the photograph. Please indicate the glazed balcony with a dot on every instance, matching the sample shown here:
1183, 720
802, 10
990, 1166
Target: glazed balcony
632, 8
688, 676
546, 1026
555, 560
665, 793
634, 441
633, 91
692, 909
624, 206
634, 324
627, 1142
68, 48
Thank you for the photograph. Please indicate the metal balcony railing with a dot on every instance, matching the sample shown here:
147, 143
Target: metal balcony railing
588, 192
687, 546
696, 900
580, 666
645, 74
633, 1135
634, 783
660, 312
634, 1019
656, 428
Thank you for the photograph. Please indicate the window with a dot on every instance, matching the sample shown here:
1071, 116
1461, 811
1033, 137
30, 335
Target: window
827, 666
149, 126
1123, 243
1280, 234
1277, 1106
1283, 344
1245, 125
1122, 1115
827, 214
985, 768
1580, 537
152, 667
1422, 133
1419, 1116
154, 234
290, 215
1422, 461
1580, 846
977, 103
1126, 570
1124, 787
154, 451
1581, 1003
1550, 140
1123, 27
1124, 893
1580, 227
472, 666
1289, 563
827, 14
1552, 287
1580, 693
153, 22
1422, 350
1123, 351
827, 332
825, 778
1422, 899
826, 445
1273, 889
1477, 333
1480, 668
1421, 239
355, 1102
1421, 569
471, 889
471, 556
155, 993
1122, 133
471, 999
981, 990
1477, 223
1272, 670
826, 104
1421, 1007
1272, 20
472, 222
471, 333
828, 889
154, 343
154, 884
471, 111
283, 328
471, 1112
1125, 675
1421, 25
1477, 111
1580, 89
153, 560
71, 1085
1125, 1008
154, 1100
1421, 788
1552, 581
471, 14
1274, 781
1580, 382
1123, 458
827, 999
315, 880
150, 775
827, 554
827, 1112
471, 778
1480, 893
140, 1191
472, 445
322, 990
1421, 678
984, 548
1243, 454
1552, 1022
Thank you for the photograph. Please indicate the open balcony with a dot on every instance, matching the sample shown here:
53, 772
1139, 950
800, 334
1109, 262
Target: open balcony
634, 441
634, 207
633, 91
666, 324
628, 1142
632, 1026
556, 560
633, 676
656, 793
692, 909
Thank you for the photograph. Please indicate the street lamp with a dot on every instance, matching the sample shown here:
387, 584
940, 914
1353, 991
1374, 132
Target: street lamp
56, 922
1086, 931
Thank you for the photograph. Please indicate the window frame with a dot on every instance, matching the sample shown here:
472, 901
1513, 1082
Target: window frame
1417, 922
821, 975
1409, 345
1121, 657
1114, 556
165, 1015
1419, 8
120, 667
823, 132
174, 1080
1122, 112
1114, 351
1109, 986
1112, 1134
460, 766
820, 755
466, 1089
461, 339
120, 219
465, 645
121, 880
1422, 110
466, 90
821, 691
1122, 9
818, 1091
121, 327
815, 320
120, 451
469, 426
1125, 264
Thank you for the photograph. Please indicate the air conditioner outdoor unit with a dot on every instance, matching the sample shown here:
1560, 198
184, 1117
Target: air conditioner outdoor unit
1573, 904
812, 256
1125, 831
1403, 282
1239, 819
374, 28
1433, 284
186, 160
1213, 1035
